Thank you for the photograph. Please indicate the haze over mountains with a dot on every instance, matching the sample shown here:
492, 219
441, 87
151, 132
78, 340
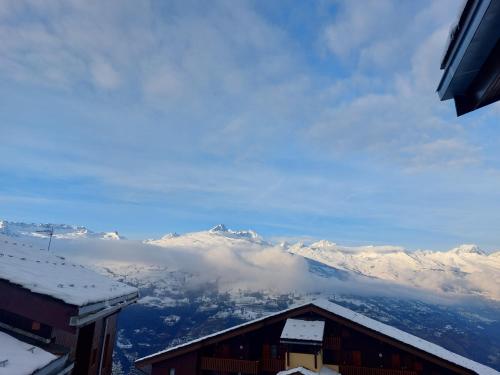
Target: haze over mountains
239, 256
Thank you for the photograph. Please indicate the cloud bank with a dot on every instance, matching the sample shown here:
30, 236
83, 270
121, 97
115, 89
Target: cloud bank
305, 119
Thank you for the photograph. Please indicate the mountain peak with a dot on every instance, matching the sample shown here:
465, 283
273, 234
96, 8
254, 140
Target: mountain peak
323, 244
284, 245
467, 249
219, 228
170, 235
222, 230
112, 236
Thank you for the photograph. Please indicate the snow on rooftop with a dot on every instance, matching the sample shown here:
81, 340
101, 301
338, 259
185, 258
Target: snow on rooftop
19, 358
405, 337
298, 329
47, 273
304, 371
363, 320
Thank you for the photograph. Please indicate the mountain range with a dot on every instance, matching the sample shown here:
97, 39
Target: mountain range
195, 283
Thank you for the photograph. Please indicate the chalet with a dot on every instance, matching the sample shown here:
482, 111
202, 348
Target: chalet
471, 62
56, 317
319, 337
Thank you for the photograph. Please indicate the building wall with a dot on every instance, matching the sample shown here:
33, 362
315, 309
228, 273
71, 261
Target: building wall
184, 365
36, 307
350, 348
49, 318
101, 344
109, 344
67, 340
305, 360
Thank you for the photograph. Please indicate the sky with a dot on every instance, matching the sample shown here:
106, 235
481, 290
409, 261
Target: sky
312, 119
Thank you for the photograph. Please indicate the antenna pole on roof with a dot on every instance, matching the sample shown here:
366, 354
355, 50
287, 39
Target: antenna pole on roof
50, 232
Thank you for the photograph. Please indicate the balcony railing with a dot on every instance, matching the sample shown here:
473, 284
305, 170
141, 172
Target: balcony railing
229, 365
272, 365
332, 342
355, 370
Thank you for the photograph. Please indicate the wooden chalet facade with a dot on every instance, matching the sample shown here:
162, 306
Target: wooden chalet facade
71, 313
349, 344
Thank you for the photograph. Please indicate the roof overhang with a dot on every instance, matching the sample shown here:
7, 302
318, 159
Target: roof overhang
90, 313
471, 62
301, 342
59, 366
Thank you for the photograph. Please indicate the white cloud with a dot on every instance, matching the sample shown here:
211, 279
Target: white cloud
356, 24
402, 120
104, 75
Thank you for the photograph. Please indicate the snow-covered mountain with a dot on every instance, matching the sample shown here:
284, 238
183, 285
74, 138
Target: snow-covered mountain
241, 255
217, 236
194, 283
61, 231
465, 269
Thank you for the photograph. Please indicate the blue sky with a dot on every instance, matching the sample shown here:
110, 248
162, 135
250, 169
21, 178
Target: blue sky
316, 119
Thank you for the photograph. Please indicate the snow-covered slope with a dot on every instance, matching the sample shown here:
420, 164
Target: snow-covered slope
462, 270
61, 231
217, 236
242, 257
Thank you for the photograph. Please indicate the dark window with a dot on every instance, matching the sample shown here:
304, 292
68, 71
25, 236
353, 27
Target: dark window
331, 357
274, 351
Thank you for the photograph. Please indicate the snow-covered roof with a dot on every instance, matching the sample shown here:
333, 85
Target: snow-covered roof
298, 329
404, 337
19, 358
362, 320
304, 371
53, 275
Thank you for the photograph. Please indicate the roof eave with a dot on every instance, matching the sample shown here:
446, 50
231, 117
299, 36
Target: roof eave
84, 318
97, 306
457, 50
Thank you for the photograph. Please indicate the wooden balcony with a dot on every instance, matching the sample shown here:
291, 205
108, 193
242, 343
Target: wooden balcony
355, 370
229, 365
332, 342
272, 365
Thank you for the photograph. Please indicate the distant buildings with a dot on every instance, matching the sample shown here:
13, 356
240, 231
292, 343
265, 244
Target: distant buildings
471, 62
56, 317
315, 338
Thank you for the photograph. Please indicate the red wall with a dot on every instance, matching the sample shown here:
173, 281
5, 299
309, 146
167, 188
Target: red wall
35, 306
184, 365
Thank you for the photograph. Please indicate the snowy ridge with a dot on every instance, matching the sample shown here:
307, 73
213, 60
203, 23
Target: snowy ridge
242, 234
218, 235
61, 231
462, 270
465, 270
